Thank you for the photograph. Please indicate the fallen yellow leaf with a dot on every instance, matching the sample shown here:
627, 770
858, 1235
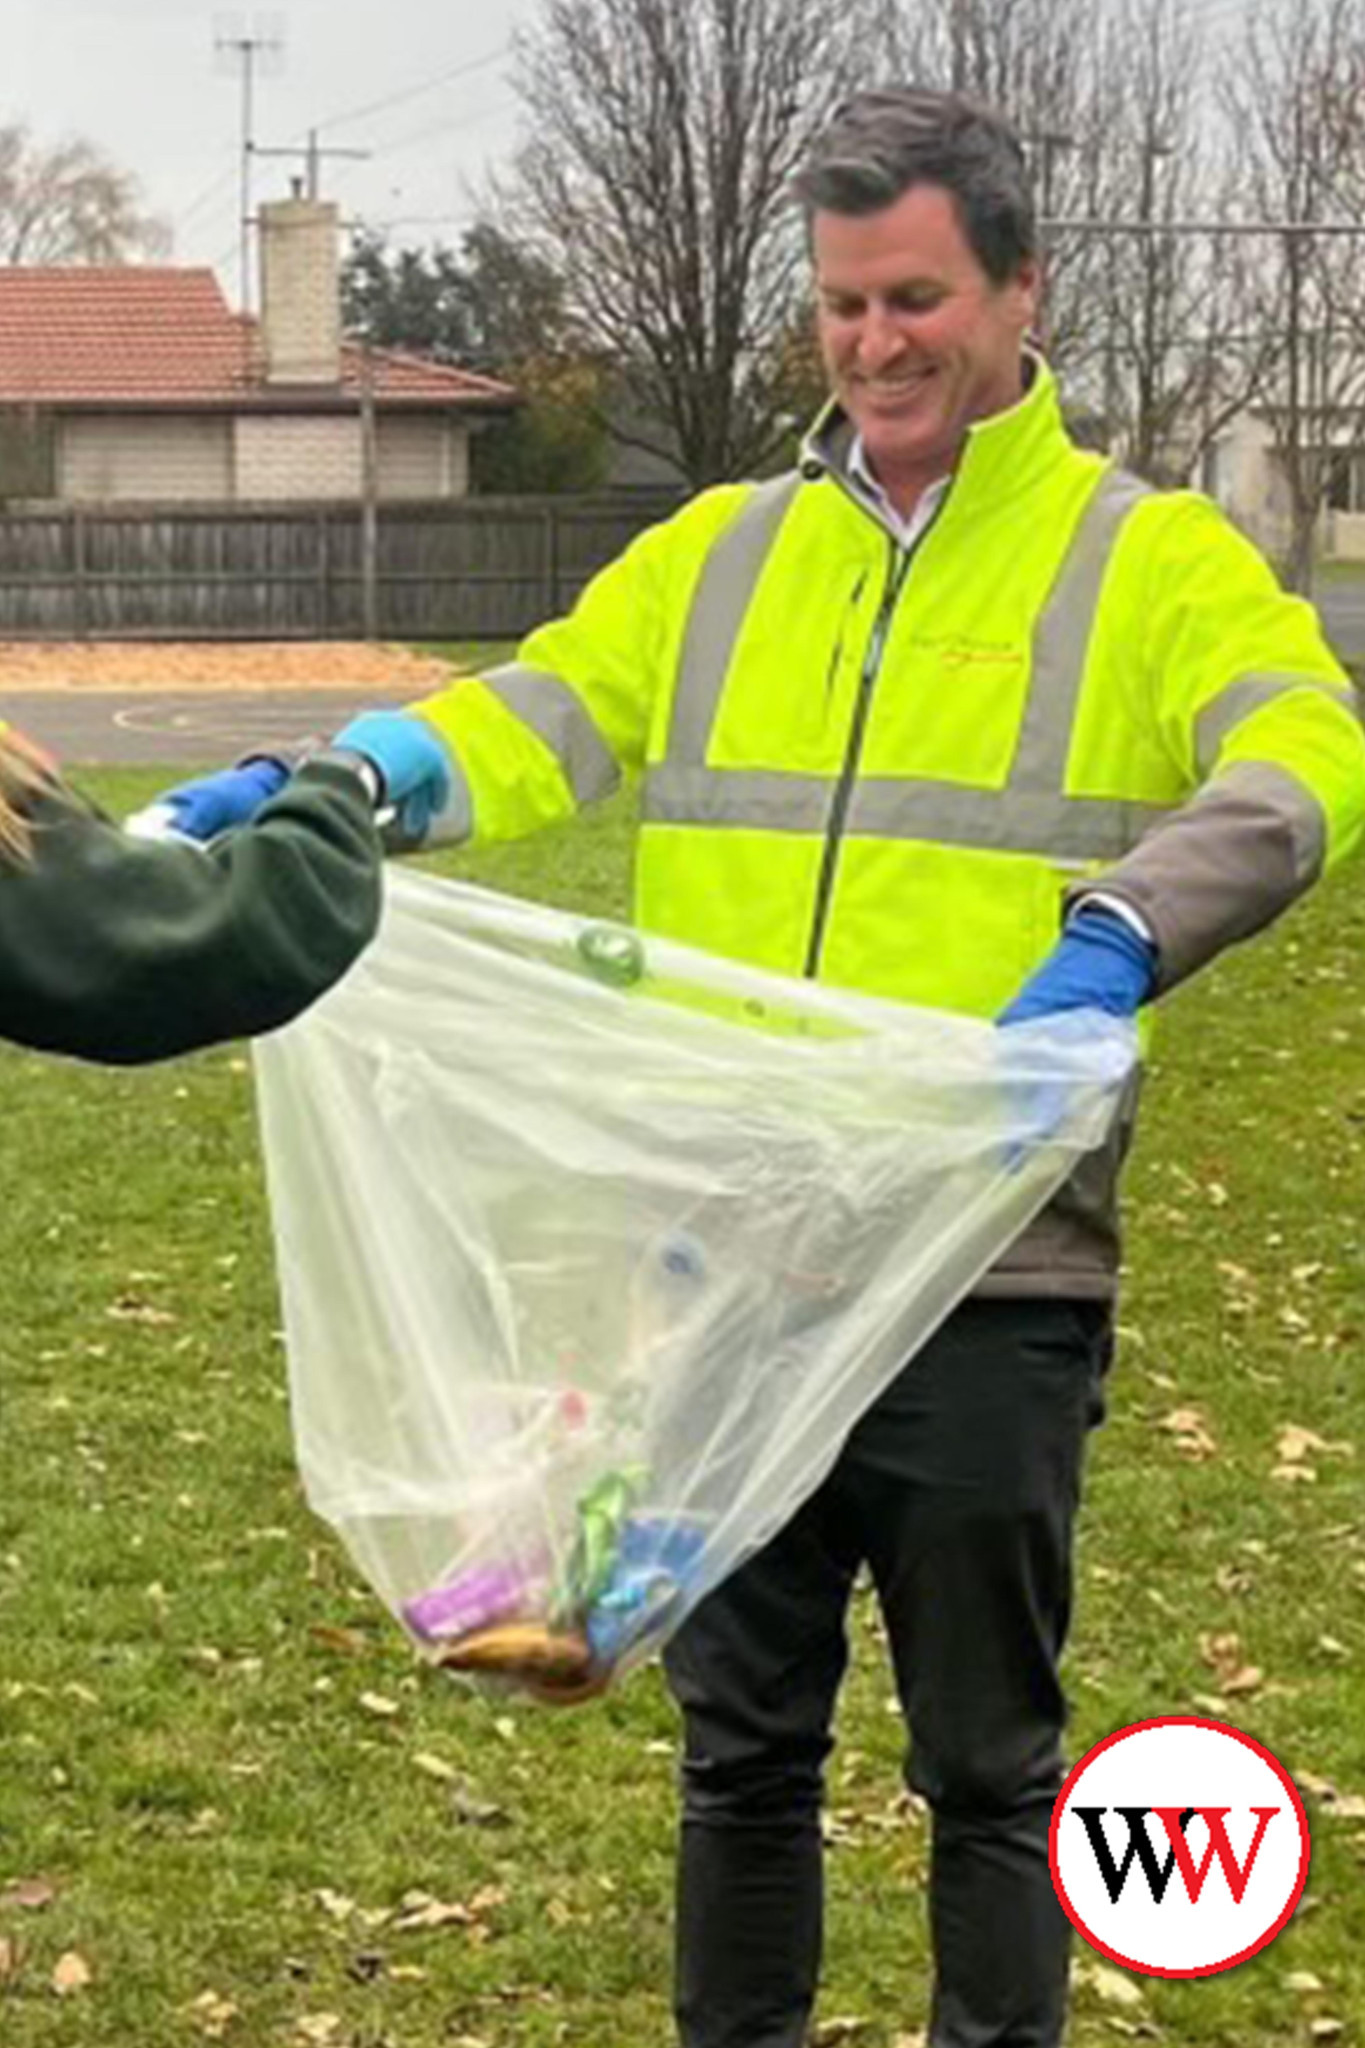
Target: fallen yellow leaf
71, 1973
435, 1766
32, 1893
318, 2028
215, 2014
1113, 1987
419, 1911
1189, 1428
380, 1704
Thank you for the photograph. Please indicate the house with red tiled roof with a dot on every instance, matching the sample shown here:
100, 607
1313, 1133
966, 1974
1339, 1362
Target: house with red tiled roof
139, 383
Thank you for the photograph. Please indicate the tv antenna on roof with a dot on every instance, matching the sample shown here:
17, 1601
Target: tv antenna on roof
251, 52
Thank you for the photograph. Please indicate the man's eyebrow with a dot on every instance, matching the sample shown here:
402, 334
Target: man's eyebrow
832, 288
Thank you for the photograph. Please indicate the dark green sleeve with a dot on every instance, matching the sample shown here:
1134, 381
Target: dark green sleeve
126, 950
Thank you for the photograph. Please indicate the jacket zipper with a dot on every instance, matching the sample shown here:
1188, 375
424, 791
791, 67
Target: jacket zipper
837, 656
899, 569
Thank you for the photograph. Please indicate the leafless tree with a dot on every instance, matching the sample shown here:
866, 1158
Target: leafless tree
1147, 331
1183, 348
69, 204
1296, 92
1040, 62
664, 138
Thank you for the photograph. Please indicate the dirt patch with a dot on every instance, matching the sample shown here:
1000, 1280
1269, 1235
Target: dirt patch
168, 665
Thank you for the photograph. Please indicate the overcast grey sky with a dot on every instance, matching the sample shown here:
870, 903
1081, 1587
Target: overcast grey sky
421, 84
140, 78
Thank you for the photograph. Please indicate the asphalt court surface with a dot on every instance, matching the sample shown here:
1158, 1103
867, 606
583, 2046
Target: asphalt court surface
112, 728
210, 725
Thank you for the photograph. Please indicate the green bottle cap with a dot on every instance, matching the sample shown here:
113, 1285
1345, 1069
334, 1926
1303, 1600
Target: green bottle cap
613, 953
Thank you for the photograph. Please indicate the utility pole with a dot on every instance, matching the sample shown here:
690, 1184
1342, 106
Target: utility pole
957, 52
249, 52
312, 158
1145, 421
1050, 144
369, 498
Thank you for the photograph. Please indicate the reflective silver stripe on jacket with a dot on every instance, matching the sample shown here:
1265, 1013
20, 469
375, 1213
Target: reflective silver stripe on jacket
557, 716
1061, 638
1032, 812
1238, 700
722, 597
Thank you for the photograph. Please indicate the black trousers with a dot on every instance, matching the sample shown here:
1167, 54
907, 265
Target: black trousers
958, 1490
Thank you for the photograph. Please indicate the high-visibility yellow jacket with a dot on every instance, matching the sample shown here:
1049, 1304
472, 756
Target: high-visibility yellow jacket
888, 769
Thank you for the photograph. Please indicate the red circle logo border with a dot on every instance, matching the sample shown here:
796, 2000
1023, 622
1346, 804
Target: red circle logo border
1219, 1728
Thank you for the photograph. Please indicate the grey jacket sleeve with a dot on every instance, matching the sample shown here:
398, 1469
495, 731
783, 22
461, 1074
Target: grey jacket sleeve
1221, 867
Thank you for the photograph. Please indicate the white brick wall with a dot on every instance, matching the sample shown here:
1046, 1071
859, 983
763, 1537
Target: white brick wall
425, 457
256, 455
279, 455
284, 456
144, 456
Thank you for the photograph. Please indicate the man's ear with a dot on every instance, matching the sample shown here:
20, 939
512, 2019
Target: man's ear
1027, 283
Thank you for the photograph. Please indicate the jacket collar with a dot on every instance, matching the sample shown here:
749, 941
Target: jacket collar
1003, 453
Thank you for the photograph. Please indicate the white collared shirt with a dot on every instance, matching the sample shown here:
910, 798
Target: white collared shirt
905, 528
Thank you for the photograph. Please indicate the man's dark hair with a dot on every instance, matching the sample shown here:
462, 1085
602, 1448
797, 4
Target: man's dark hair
881, 142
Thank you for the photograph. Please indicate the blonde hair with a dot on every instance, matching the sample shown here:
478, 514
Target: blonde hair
21, 772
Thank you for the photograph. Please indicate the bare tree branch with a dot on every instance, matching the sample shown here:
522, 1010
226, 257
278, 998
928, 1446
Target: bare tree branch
656, 185
1295, 92
69, 204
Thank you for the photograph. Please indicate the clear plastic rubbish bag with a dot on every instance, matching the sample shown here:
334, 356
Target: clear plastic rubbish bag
593, 1248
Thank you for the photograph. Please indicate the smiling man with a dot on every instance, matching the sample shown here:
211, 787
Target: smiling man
919, 339
957, 713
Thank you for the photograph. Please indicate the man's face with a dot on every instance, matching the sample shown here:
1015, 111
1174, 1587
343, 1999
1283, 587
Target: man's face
917, 340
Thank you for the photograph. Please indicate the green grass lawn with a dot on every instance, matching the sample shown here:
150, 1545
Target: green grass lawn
224, 1783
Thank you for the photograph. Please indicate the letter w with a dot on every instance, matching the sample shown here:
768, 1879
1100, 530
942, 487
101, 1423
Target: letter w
1174, 1820
1115, 1876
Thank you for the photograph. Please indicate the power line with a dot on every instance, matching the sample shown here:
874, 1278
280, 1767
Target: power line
312, 154
411, 92
210, 191
1086, 224
420, 220
443, 127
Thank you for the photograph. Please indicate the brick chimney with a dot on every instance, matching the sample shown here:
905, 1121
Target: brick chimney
300, 292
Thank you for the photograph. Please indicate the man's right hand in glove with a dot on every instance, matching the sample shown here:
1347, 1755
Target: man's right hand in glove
405, 764
411, 763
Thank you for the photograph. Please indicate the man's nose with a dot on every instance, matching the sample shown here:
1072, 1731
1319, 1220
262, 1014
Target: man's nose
880, 339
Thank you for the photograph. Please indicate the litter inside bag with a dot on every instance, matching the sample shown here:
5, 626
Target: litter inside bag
593, 1248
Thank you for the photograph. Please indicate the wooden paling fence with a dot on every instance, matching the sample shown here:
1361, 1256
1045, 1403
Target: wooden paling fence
454, 569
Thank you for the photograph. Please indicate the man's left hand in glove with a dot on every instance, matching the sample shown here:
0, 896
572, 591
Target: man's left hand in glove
1101, 962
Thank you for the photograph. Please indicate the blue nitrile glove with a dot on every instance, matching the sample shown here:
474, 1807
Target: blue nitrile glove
212, 803
410, 762
1101, 962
